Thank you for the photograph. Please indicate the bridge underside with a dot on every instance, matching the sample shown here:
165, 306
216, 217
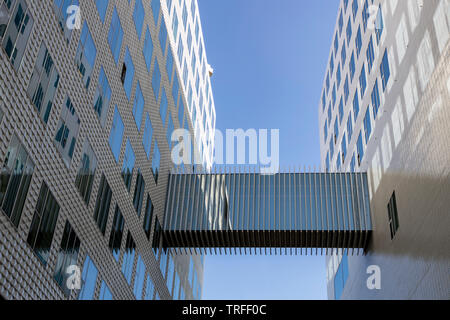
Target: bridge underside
286, 210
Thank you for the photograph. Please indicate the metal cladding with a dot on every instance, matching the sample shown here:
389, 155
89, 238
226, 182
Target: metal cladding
281, 211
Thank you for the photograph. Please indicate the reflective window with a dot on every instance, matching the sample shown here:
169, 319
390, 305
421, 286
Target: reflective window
102, 97
148, 133
349, 31
116, 135
365, 14
356, 105
148, 49
127, 73
88, 280
355, 9
155, 8
169, 64
15, 28
139, 193
115, 239
343, 56
67, 256
128, 258
358, 42
360, 148
115, 36
352, 67
62, 11
139, 279
393, 215
185, 15
350, 127
138, 108
163, 36
43, 84
86, 172
344, 148
102, 6
375, 99
138, 17
367, 125
148, 216
85, 57
341, 111
170, 129
102, 205
105, 292
67, 133
43, 225
15, 179
156, 80
370, 55
156, 160
128, 165
175, 26
346, 89
379, 25
180, 50
362, 82
149, 289
384, 70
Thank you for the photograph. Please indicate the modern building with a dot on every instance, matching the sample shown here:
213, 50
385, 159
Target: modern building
88, 104
385, 110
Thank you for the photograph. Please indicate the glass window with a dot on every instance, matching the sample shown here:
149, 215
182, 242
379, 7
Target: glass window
355, 8
62, 13
88, 280
169, 64
128, 165
116, 135
102, 97
138, 17
344, 147
346, 89
343, 56
139, 279
353, 164
375, 100
370, 55
341, 22
43, 225
336, 130
384, 69
349, 31
163, 36
341, 111
128, 258
393, 215
338, 75
175, 26
148, 133
155, 8
149, 289
356, 104
127, 74
148, 49
350, 127
115, 239
352, 67
362, 82
43, 84
163, 107
67, 133
175, 91
86, 172
180, 50
15, 179
156, 160
115, 36
86, 54
185, 15
379, 25
148, 216
365, 14
170, 274
358, 42
367, 125
360, 148
67, 256
16, 32
102, 6
139, 193
138, 108
105, 292
156, 80
102, 205
333, 95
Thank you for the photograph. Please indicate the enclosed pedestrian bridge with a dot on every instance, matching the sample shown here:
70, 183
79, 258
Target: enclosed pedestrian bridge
243, 211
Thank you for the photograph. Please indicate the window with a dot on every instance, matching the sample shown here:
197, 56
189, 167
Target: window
197, 30
156, 80
128, 258
138, 17
169, 64
15, 179
355, 8
341, 277
115, 239
349, 31
325, 132
155, 8
149, 289
365, 14
333, 96
175, 26
338, 75
384, 70
327, 163
367, 125
16, 32
139, 279
115, 36
163, 36
336, 44
138, 108
102, 6
353, 164
180, 50
356, 105
362, 82
102, 205
352, 67
370, 55
332, 148
346, 89
341, 22
393, 216
175, 89
86, 172
185, 15
379, 24
43, 225
127, 74
338, 162
148, 216
343, 56
332, 65
67, 256
105, 292
67, 133
148, 133
43, 84
375, 100
148, 49
156, 160
336, 130
341, 111
324, 101
139, 193
350, 127
116, 135
344, 148
102, 97
163, 107
88, 280
359, 146
62, 11
128, 165
86, 54
358, 42
170, 129
189, 39
170, 274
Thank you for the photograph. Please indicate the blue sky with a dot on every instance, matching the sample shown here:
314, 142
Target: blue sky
269, 59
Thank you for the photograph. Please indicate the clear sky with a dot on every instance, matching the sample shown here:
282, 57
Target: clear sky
269, 58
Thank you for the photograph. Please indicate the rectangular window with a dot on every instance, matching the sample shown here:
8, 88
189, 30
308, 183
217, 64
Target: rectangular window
138, 107
115, 36
16, 24
332, 148
370, 56
375, 100
85, 57
102, 6
88, 280
156, 80
156, 160
67, 133
43, 225
139, 193
353, 164
362, 82
336, 130
116, 134
67, 256
138, 17
15, 179
333, 95
148, 49
384, 70
367, 125
102, 97
102, 205
325, 132
43, 84
86, 172
139, 279
128, 165
148, 216
148, 133
393, 215
128, 258
115, 238
127, 74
